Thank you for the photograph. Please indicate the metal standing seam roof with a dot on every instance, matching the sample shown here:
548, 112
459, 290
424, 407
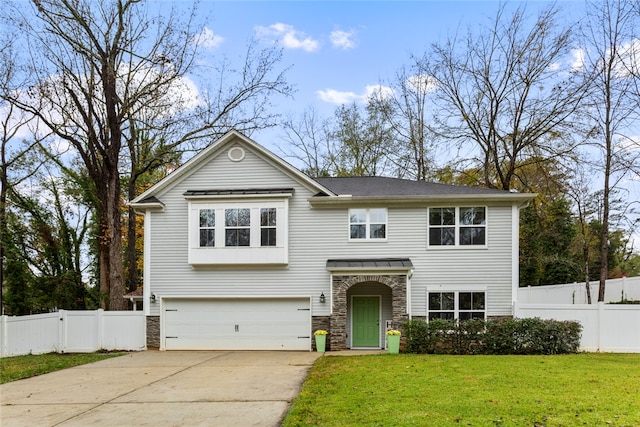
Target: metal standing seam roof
238, 192
370, 263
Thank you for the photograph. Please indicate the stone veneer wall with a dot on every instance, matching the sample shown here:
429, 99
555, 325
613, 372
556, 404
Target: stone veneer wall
338, 324
320, 322
153, 331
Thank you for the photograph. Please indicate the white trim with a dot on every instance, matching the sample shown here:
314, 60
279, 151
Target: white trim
367, 225
146, 262
418, 201
515, 254
380, 326
255, 253
233, 157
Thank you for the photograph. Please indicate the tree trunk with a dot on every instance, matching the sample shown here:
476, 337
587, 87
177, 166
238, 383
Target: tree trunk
110, 244
3, 227
131, 256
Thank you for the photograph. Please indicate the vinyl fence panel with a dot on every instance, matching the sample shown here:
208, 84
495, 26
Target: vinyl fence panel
605, 327
81, 331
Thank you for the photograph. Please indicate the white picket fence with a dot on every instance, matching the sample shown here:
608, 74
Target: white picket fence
72, 332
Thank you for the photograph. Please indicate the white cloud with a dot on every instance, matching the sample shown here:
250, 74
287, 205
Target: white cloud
342, 39
628, 63
578, 59
208, 39
336, 97
333, 96
377, 91
288, 36
422, 83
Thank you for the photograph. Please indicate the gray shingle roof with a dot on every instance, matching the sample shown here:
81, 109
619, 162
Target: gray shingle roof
378, 186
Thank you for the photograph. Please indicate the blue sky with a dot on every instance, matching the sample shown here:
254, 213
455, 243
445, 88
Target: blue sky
337, 49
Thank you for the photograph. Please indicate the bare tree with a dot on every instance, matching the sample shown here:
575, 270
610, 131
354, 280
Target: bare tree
307, 143
407, 110
501, 91
162, 128
96, 69
610, 37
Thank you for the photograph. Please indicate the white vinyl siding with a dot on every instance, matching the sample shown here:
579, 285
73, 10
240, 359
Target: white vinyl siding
315, 235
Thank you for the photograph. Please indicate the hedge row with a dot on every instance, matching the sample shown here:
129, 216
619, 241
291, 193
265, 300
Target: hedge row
505, 336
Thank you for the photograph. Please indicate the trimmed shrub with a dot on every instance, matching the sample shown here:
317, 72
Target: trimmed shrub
506, 336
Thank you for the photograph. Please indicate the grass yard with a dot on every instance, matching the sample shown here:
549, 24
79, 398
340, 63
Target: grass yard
596, 389
19, 367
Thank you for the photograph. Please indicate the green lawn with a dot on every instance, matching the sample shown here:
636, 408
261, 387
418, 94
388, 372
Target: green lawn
19, 367
441, 390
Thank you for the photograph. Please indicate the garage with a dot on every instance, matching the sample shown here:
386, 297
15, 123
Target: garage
236, 324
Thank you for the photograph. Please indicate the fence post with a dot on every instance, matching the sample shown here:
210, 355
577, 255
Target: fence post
100, 328
600, 327
62, 331
3, 336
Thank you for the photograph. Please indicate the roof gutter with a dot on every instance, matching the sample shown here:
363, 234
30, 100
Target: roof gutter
329, 201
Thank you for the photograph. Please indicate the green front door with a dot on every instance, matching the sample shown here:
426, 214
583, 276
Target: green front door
365, 327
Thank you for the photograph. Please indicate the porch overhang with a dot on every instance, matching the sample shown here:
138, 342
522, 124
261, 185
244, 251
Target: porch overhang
373, 265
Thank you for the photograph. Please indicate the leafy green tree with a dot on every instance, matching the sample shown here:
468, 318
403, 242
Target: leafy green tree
547, 235
361, 141
46, 246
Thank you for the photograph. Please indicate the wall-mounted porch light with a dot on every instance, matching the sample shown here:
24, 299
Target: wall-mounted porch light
322, 298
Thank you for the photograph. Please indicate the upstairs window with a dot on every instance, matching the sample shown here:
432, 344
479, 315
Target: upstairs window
237, 227
368, 224
233, 232
268, 234
457, 305
207, 227
458, 226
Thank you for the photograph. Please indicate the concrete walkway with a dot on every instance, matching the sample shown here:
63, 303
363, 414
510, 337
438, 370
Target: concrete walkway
153, 388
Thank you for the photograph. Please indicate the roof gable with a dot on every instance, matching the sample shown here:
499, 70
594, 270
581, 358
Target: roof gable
200, 159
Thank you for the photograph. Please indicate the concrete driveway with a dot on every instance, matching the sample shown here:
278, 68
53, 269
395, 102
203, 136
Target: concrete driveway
154, 388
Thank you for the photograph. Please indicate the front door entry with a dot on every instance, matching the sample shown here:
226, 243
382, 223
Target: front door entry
365, 321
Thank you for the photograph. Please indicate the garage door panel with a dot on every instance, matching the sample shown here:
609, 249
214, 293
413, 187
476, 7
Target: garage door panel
240, 324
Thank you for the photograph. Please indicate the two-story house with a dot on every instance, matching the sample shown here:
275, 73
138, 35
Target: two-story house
244, 251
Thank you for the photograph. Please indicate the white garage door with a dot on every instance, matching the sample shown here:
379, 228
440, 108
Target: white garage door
237, 324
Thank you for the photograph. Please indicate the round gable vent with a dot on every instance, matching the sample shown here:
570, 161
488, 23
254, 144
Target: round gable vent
236, 154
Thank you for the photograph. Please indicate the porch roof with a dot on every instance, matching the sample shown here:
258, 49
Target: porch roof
362, 264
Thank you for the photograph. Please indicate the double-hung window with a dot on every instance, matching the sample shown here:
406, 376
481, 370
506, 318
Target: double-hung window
457, 226
207, 227
268, 231
457, 305
368, 224
237, 227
